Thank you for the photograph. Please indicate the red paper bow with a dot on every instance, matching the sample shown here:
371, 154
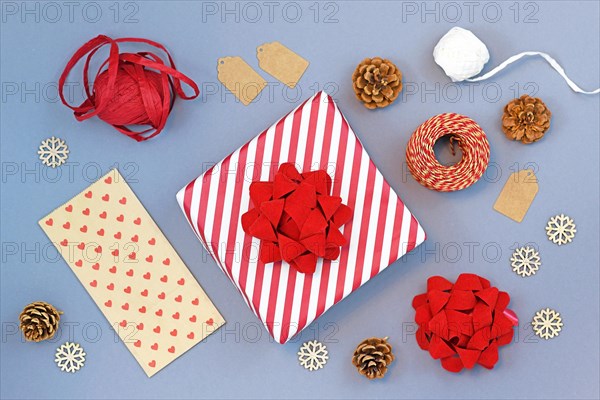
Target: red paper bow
464, 323
296, 219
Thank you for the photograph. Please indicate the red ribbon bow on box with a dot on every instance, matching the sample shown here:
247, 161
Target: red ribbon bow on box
296, 219
464, 323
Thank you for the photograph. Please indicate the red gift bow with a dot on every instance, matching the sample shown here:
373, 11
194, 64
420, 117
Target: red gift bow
464, 323
296, 219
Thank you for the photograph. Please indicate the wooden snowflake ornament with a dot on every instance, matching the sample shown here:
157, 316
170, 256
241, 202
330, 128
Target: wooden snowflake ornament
547, 323
525, 261
560, 229
70, 357
313, 355
53, 152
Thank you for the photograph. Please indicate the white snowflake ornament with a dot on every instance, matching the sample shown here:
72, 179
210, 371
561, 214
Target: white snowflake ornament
547, 323
525, 261
313, 355
53, 152
560, 229
70, 357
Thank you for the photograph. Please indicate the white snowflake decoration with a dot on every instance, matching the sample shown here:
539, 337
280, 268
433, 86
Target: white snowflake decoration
70, 357
53, 152
561, 229
547, 323
525, 261
313, 355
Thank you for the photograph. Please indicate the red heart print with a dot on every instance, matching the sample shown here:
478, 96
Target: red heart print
102, 215
157, 329
115, 252
64, 242
164, 279
140, 326
190, 335
144, 292
98, 249
147, 275
125, 306
86, 211
69, 208
67, 225
195, 301
81, 246
117, 235
142, 309
138, 343
88, 194
106, 197
96, 266
108, 303
158, 313
127, 289
111, 286
79, 263
154, 346
161, 296
100, 232
108, 180
181, 282
166, 261
113, 269
176, 315
174, 332
149, 258
134, 238
123, 200
120, 218
178, 299
83, 229
137, 221
172, 349
123, 323
152, 364
210, 322
93, 283
129, 273
152, 242
131, 255
193, 318
49, 222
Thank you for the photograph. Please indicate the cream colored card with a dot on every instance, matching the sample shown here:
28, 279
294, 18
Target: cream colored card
517, 195
132, 272
239, 77
281, 62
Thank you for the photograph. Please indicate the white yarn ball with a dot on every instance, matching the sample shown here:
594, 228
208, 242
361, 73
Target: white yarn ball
460, 54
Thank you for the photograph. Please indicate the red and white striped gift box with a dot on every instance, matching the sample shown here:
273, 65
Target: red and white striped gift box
314, 136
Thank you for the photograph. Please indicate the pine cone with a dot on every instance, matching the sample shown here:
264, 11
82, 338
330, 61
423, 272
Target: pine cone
526, 119
372, 357
377, 82
39, 321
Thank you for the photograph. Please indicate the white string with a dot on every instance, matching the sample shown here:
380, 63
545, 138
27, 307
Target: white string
553, 63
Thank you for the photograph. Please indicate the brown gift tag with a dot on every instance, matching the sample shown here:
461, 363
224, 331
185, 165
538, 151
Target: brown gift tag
239, 77
517, 195
281, 62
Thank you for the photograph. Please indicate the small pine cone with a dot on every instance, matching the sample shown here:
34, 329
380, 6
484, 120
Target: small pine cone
377, 82
526, 119
372, 357
39, 321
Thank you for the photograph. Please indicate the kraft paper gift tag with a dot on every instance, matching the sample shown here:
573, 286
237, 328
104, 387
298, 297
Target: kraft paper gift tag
239, 77
517, 195
132, 272
281, 62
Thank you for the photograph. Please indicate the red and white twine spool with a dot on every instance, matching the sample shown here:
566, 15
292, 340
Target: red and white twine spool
473, 143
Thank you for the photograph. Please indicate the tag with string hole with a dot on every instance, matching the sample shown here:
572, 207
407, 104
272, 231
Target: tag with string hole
239, 77
281, 62
517, 195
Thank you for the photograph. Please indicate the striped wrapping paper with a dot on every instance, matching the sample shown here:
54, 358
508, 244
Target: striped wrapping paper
315, 136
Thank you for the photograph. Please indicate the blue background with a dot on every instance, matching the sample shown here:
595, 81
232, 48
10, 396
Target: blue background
240, 361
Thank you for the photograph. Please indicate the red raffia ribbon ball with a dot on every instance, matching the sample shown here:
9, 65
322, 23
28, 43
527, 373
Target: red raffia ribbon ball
426, 169
296, 219
463, 323
129, 89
